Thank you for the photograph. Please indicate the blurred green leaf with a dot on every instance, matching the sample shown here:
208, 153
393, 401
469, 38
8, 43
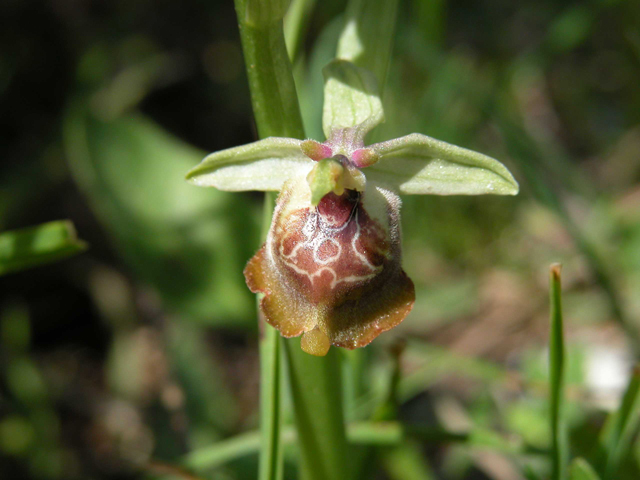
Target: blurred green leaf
296, 22
209, 403
33, 246
556, 377
16, 435
581, 470
379, 434
367, 36
190, 244
624, 426
406, 462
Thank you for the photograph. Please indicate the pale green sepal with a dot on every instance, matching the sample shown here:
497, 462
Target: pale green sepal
262, 165
326, 176
417, 164
351, 99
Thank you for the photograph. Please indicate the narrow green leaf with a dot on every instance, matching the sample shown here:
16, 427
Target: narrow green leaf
417, 164
270, 466
581, 470
380, 434
351, 99
296, 22
556, 377
625, 426
33, 246
270, 404
263, 165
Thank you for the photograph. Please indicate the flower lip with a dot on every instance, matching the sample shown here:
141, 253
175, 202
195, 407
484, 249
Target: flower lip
333, 272
335, 211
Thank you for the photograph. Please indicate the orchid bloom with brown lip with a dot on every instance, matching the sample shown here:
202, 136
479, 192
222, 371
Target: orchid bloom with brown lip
330, 269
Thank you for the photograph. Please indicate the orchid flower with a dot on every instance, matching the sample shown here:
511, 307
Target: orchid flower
330, 268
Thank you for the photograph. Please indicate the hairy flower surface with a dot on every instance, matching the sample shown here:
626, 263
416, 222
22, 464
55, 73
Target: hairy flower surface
332, 272
330, 269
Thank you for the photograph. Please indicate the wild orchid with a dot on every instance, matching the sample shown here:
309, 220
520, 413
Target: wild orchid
330, 269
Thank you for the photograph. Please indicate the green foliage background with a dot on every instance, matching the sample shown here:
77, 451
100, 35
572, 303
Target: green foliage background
120, 362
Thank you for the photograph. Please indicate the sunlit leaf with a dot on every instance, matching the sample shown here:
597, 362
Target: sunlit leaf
33, 246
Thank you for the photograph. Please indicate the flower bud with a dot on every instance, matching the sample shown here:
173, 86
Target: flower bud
332, 272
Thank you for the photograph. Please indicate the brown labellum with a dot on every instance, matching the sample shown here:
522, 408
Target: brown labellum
332, 272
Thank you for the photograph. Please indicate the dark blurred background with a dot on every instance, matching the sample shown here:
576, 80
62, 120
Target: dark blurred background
144, 348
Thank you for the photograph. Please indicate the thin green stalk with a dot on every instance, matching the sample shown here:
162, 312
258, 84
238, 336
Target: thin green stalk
276, 110
556, 377
273, 92
317, 398
318, 416
625, 423
270, 466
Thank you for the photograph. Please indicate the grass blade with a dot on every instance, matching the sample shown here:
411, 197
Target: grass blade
581, 470
33, 246
271, 466
270, 406
625, 425
556, 377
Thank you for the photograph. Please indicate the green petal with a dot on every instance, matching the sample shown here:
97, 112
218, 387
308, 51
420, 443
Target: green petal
262, 165
417, 164
351, 99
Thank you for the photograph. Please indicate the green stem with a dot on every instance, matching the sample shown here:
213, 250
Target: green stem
273, 92
270, 466
317, 397
315, 381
